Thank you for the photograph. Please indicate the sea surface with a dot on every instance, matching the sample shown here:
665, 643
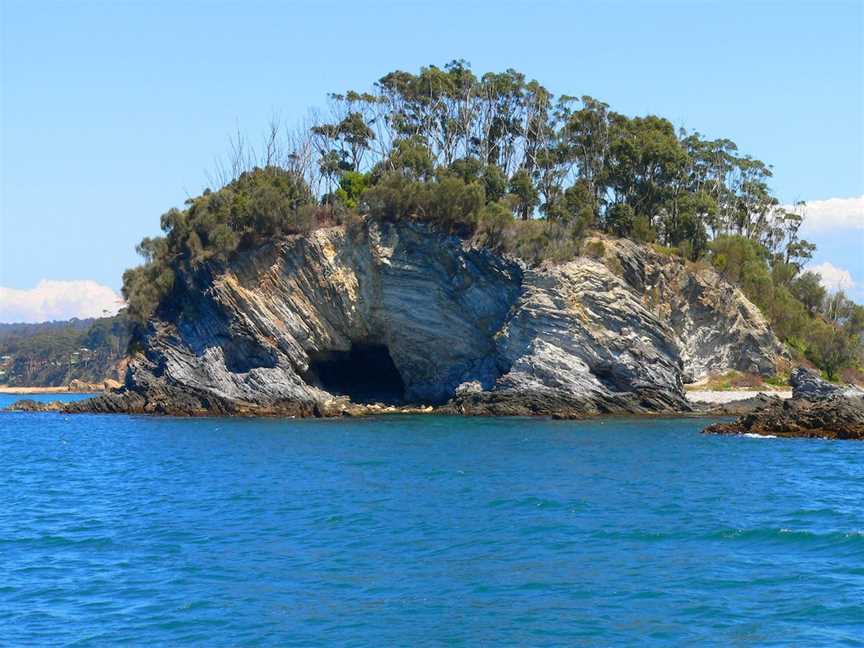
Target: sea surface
421, 531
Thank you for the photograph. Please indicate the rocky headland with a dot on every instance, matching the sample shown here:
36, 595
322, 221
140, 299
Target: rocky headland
817, 409
353, 320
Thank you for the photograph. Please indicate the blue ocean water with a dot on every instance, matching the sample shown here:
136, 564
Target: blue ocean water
415, 531
65, 397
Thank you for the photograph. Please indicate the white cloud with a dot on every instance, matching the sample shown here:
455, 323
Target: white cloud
834, 214
833, 278
58, 300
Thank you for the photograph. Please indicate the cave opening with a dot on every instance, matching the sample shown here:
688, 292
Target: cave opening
365, 373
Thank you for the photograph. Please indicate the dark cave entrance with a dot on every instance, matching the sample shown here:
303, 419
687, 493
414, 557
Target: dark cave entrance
365, 373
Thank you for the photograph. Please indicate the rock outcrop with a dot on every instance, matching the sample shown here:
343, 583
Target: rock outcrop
717, 328
807, 385
817, 409
30, 405
398, 313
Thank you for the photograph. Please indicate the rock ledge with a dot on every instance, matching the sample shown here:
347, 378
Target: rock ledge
817, 409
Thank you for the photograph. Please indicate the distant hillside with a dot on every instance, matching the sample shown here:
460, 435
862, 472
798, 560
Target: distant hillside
27, 329
51, 354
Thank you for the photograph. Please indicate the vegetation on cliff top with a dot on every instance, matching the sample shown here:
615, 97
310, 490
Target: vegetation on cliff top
500, 158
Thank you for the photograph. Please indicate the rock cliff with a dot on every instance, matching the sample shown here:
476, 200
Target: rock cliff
313, 325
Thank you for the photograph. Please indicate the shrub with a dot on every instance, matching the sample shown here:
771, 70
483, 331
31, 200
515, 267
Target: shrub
493, 223
595, 249
258, 205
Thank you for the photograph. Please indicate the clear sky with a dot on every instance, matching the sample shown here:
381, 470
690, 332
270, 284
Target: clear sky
112, 112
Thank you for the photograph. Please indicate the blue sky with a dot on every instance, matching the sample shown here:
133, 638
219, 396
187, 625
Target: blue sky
114, 112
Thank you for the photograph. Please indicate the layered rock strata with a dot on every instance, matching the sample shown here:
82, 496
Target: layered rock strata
317, 325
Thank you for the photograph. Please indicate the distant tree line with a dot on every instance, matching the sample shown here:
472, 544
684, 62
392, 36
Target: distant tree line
51, 354
499, 158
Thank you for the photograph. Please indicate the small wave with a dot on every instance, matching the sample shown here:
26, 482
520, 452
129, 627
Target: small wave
775, 535
526, 502
789, 535
750, 435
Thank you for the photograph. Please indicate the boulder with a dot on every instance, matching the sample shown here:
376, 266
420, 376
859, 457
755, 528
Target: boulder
808, 385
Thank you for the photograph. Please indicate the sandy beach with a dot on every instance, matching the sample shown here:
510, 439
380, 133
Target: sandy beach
730, 396
45, 390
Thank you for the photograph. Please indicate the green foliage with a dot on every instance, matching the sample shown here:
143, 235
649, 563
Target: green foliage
595, 249
743, 262
447, 201
260, 204
410, 158
826, 329
145, 286
352, 185
526, 194
455, 204
494, 182
494, 221
498, 157
836, 342
396, 196
565, 159
829, 349
620, 219
537, 241
807, 288
642, 231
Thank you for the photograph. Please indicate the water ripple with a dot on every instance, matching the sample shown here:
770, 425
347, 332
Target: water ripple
423, 531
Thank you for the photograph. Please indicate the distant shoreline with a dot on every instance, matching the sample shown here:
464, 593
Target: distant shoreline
65, 389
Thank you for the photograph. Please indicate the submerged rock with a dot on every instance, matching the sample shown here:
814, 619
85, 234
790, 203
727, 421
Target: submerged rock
327, 323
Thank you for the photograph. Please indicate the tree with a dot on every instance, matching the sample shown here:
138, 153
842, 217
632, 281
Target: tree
586, 140
829, 349
258, 205
523, 189
577, 206
619, 219
645, 158
352, 185
451, 147
808, 289
494, 220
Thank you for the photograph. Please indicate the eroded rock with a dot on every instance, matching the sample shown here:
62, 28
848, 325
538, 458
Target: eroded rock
30, 405
817, 409
835, 417
464, 329
808, 385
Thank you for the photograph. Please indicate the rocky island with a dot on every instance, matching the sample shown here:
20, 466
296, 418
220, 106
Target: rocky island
469, 245
397, 313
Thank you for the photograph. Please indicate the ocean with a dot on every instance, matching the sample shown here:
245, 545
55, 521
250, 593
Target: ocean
424, 531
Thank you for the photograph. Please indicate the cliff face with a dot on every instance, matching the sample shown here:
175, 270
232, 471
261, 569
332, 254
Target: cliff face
399, 313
